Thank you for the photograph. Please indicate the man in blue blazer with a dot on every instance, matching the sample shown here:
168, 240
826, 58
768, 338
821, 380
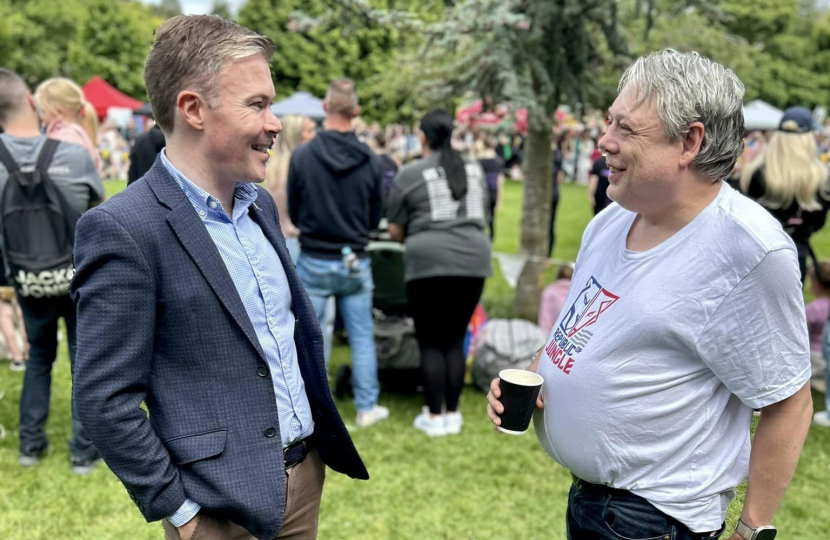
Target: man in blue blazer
188, 302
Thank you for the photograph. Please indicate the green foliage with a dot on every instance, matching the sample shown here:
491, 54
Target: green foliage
780, 49
167, 8
758, 20
78, 39
34, 34
222, 9
113, 42
309, 58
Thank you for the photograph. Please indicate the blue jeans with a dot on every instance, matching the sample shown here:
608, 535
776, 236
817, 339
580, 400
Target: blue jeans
41, 315
327, 320
325, 278
623, 516
825, 351
293, 245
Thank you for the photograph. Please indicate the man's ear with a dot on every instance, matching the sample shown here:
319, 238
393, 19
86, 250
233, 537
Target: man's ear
692, 143
356, 111
191, 107
326, 106
30, 99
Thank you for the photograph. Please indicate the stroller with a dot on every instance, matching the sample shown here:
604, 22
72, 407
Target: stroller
399, 359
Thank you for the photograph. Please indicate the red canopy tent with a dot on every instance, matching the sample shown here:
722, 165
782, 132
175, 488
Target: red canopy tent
103, 96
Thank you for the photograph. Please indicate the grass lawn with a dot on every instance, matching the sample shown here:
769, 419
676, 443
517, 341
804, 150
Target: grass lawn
478, 485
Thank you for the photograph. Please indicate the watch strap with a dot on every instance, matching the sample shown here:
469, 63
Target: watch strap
745, 531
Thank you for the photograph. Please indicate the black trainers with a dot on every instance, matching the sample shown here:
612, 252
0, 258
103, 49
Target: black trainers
84, 466
29, 457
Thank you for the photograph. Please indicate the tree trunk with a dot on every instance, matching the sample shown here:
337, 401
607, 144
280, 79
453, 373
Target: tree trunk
535, 218
649, 20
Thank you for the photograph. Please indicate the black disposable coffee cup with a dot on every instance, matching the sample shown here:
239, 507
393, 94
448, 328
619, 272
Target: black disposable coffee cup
519, 390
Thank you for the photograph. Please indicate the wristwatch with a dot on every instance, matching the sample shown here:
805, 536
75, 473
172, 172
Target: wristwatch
765, 532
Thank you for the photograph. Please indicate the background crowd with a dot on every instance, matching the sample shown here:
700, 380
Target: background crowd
785, 170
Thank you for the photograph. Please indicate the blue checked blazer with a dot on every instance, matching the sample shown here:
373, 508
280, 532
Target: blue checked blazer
160, 322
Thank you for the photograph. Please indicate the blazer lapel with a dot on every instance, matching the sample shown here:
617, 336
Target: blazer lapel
257, 213
193, 235
301, 305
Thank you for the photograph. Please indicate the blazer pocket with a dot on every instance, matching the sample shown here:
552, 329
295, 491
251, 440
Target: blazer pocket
190, 448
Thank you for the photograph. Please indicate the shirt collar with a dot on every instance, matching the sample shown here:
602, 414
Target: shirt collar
244, 193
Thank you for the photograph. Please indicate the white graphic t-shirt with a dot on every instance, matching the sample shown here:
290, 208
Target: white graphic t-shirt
658, 357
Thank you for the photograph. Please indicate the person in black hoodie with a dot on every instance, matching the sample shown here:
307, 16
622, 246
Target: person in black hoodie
335, 199
144, 153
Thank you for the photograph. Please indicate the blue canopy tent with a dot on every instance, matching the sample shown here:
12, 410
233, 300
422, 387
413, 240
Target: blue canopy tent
300, 103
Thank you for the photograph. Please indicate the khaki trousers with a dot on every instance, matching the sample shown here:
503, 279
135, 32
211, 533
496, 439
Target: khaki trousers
302, 508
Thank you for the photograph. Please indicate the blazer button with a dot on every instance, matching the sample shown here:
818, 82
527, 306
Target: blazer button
262, 371
270, 432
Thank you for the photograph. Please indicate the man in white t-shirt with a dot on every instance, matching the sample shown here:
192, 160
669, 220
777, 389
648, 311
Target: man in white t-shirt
685, 313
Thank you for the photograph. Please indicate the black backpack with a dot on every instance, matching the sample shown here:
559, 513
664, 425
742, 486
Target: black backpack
38, 228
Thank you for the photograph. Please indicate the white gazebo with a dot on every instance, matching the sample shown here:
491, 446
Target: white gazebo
300, 103
761, 116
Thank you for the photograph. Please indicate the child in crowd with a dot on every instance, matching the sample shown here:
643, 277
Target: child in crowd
554, 296
818, 312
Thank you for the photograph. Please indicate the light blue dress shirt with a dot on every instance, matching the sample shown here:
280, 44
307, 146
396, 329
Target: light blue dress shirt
259, 277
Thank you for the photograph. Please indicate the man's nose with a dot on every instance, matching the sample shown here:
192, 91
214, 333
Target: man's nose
607, 144
273, 125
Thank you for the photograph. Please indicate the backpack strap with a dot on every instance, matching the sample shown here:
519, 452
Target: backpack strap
7, 159
47, 152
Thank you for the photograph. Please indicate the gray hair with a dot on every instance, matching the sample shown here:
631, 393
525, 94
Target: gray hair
12, 94
687, 88
191, 50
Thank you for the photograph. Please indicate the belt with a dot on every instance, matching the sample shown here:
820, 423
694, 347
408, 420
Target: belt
296, 452
587, 488
596, 489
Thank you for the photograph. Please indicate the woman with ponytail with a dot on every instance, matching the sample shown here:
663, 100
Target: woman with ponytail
68, 116
439, 206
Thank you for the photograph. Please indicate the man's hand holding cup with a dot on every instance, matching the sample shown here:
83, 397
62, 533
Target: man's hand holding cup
511, 397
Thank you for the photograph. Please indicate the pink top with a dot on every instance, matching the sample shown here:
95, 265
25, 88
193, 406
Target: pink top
553, 299
818, 311
74, 134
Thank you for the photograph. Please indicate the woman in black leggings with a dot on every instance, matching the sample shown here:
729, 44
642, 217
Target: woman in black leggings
440, 206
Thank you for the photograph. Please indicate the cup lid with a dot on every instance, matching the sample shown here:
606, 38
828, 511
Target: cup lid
516, 376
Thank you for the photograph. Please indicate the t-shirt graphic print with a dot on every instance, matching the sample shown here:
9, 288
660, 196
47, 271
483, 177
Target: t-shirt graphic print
572, 334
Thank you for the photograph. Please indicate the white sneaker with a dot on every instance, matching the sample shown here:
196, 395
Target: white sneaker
453, 422
822, 419
433, 426
372, 416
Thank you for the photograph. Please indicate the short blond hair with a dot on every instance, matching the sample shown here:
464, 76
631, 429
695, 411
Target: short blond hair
62, 97
341, 98
190, 50
13, 94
